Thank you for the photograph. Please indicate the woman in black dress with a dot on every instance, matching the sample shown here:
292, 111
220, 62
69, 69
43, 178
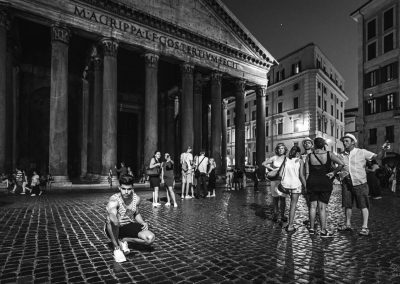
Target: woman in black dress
168, 179
319, 177
155, 180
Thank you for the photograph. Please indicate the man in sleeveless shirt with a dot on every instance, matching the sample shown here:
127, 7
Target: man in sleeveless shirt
124, 222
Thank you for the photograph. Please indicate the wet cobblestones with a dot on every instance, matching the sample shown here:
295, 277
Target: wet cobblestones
228, 239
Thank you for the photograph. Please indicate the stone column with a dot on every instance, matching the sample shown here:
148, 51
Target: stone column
170, 125
3, 71
58, 133
216, 78
110, 99
260, 125
84, 125
96, 127
204, 122
150, 107
187, 106
239, 124
224, 141
197, 113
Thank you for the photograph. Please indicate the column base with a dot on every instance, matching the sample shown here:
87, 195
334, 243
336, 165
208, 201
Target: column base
104, 180
61, 181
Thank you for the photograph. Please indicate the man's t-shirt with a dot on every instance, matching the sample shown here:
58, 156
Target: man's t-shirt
354, 164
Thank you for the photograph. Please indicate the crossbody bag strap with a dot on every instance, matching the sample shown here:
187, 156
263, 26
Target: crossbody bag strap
282, 167
200, 163
318, 159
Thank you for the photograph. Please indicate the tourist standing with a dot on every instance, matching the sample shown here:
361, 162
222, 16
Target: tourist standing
319, 175
155, 180
354, 181
187, 172
212, 178
201, 165
167, 177
293, 180
274, 163
308, 145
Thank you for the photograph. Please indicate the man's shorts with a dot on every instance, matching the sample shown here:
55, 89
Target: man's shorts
357, 194
130, 230
187, 177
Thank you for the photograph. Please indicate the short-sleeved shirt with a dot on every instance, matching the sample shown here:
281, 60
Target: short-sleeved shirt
354, 164
275, 161
201, 164
188, 159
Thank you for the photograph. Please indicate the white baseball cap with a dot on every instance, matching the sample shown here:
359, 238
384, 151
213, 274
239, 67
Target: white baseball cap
348, 135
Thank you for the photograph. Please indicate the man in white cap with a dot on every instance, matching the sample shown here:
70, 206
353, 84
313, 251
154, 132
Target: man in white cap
354, 180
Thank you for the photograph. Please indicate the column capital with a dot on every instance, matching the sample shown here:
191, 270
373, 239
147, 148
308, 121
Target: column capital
216, 77
60, 33
110, 46
224, 104
240, 84
97, 63
261, 90
151, 60
187, 68
4, 19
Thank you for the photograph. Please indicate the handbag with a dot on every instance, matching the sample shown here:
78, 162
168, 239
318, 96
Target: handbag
153, 172
283, 189
277, 173
197, 173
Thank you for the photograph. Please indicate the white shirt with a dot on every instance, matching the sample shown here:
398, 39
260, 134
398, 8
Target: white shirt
203, 165
188, 159
355, 162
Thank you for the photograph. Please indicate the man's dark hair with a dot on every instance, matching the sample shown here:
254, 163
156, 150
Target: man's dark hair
126, 180
319, 143
294, 151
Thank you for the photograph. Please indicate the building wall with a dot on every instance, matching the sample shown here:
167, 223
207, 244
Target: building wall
306, 84
378, 74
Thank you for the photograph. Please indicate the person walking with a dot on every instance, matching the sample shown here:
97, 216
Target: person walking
201, 166
319, 176
293, 180
167, 178
354, 181
274, 163
155, 180
212, 178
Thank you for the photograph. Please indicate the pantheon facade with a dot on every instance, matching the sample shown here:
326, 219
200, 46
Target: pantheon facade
86, 84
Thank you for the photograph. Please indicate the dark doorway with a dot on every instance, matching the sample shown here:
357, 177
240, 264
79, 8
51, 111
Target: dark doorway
128, 136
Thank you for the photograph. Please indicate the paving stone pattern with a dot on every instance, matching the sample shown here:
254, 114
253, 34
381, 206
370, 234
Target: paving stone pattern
58, 238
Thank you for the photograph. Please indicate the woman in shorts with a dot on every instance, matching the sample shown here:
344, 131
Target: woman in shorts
293, 180
319, 175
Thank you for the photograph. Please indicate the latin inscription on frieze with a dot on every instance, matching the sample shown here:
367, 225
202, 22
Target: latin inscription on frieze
153, 36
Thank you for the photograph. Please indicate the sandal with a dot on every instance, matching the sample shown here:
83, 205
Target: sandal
364, 232
311, 231
344, 228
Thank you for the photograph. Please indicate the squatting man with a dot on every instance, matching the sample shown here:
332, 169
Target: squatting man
124, 222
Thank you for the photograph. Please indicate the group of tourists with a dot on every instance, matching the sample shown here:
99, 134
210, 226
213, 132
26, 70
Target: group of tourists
312, 173
18, 182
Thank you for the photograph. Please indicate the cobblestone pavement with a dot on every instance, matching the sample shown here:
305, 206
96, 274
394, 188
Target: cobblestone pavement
58, 238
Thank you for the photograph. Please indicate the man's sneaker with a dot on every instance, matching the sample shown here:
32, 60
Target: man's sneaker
155, 204
187, 197
364, 232
168, 204
377, 197
326, 234
33, 194
119, 256
22, 193
125, 248
175, 205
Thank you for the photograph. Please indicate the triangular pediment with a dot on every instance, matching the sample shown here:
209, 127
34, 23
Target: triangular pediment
208, 18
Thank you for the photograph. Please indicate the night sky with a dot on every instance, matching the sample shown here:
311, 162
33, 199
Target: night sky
286, 25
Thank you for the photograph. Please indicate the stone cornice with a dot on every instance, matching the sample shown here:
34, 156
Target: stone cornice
170, 28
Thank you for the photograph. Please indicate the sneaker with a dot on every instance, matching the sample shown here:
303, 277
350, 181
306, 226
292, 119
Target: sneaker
213, 195
364, 232
208, 195
182, 197
326, 234
155, 204
119, 256
22, 193
377, 197
168, 204
33, 194
187, 197
124, 247
40, 193
175, 205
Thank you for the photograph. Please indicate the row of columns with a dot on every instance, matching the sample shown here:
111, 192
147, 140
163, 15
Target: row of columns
104, 109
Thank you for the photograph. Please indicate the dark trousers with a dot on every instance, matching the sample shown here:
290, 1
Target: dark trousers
202, 185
